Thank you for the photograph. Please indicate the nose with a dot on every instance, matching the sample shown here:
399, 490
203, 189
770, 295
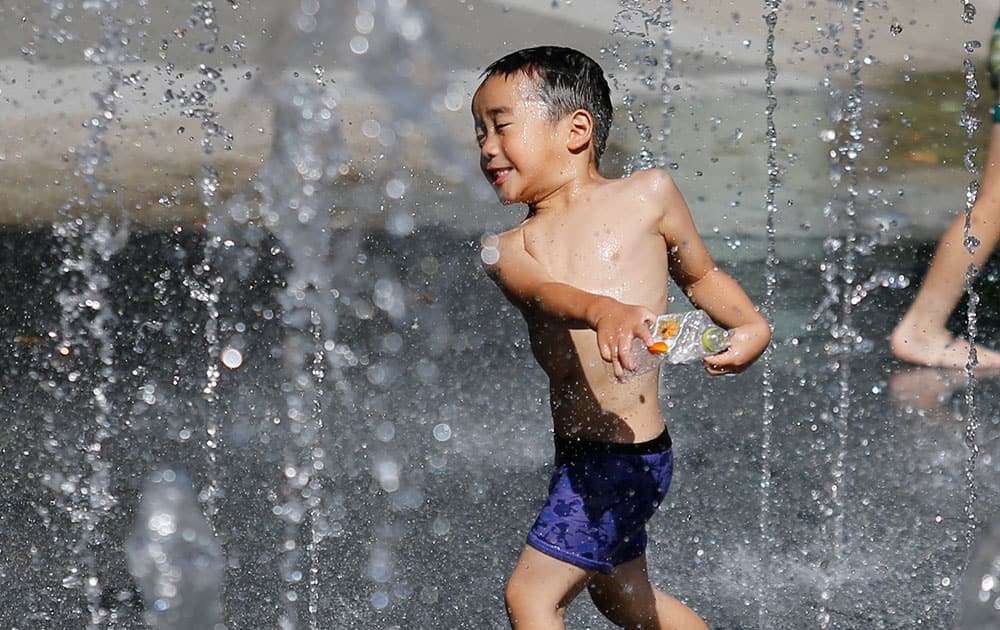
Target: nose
490, 147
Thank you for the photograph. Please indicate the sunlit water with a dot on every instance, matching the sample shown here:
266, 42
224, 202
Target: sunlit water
355, 405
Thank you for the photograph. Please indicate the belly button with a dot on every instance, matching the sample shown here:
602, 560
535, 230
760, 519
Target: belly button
642, 399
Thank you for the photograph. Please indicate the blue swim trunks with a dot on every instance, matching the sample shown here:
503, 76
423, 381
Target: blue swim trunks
600, 497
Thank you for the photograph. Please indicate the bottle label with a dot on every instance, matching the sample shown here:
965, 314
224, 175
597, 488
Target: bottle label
665, 332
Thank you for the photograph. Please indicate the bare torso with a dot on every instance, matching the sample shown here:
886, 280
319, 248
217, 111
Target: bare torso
608, 243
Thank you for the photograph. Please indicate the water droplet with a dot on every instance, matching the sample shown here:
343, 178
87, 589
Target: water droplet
395, 188
442, 432
385, 432
359, 45
232, 358
310, 7
490, 255
364, 22
968, 13
371, 128
380, 599
387, 473
441, 526
988, 583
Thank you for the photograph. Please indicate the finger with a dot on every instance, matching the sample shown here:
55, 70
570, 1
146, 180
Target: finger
645, 334
606, 351
716, 368
721, 370
616, 364
716, 371
627, 358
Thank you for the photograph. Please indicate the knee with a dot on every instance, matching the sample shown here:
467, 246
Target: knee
512, 596
526, 607
518, 600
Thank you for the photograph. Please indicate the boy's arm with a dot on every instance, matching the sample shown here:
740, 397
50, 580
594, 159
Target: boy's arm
709, 288
532, 289
724, 300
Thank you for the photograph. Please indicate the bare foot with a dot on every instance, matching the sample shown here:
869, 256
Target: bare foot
912, 344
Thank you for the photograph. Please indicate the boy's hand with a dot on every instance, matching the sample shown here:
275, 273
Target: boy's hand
617, 325
746, 343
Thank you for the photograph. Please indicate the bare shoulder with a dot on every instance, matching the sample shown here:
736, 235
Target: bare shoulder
654, 183
653, 190
512, 239
661, 196
499, 249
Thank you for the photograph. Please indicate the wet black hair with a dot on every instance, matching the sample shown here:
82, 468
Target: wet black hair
568, 80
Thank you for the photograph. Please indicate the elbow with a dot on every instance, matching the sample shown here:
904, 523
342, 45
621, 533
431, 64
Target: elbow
765, 331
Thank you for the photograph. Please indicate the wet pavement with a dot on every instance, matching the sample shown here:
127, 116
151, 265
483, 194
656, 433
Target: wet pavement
450, 395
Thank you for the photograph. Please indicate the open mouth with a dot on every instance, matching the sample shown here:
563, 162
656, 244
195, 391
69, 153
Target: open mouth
499, 175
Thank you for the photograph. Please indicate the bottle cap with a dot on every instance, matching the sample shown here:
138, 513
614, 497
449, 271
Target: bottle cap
715, 339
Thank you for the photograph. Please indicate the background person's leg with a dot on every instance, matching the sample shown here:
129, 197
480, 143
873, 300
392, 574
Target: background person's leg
921, 336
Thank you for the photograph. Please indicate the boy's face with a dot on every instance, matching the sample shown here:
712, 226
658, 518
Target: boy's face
519, 145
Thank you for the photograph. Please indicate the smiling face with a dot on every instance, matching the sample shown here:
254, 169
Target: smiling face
520, 151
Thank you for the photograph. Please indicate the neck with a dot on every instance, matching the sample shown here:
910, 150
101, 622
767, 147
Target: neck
564, 193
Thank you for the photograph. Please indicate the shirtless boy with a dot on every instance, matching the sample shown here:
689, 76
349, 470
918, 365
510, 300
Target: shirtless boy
588, 270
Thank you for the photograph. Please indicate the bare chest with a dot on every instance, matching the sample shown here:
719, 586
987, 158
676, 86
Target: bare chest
601, 256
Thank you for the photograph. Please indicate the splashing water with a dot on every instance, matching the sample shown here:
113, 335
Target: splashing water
332, 376
839, 275
205, 282
174, 556
979, 607
85, 355
971, 123
304, 210
771, 8
645, 45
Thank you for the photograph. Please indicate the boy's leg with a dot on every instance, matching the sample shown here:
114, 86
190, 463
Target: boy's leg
626, 597
540, 588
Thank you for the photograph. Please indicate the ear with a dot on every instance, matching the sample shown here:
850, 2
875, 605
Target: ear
581, 129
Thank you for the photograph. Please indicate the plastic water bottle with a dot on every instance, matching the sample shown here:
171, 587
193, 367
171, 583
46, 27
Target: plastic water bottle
679, 338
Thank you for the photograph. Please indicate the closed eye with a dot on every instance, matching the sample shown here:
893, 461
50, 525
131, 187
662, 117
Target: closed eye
497, 128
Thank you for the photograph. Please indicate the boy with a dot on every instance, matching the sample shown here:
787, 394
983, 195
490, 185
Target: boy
588, 270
